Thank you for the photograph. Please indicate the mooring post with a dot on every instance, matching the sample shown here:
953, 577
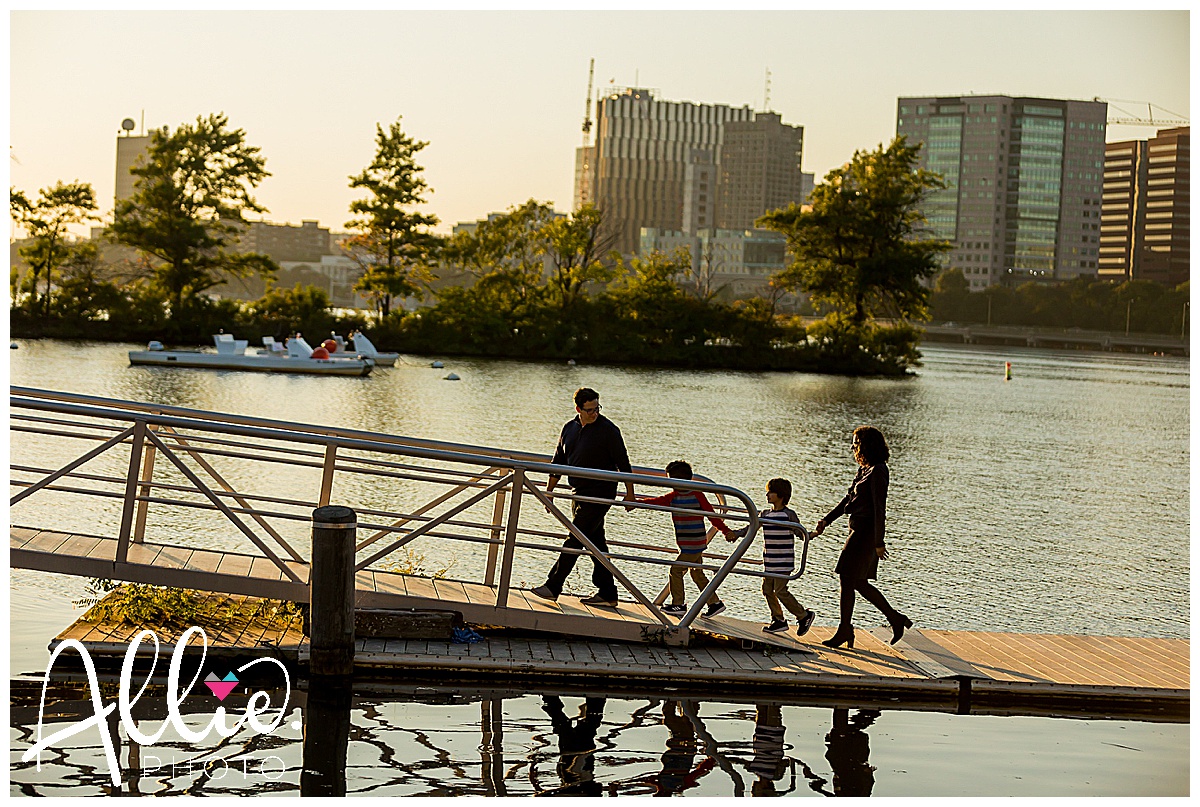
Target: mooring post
331, 591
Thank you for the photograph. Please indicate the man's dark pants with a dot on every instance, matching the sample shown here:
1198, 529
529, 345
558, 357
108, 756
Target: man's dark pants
589, 518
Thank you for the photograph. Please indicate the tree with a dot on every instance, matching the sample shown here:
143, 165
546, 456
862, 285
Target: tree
188, 207
88, 288
863, 247
576, 246
46, 221
394, 244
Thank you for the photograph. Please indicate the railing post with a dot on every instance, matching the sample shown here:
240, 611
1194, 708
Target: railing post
494, 546
144, 489
331, 591
131, 484
510, 537
327, 474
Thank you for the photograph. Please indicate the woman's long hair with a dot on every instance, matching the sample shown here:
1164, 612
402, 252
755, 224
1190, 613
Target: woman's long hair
870, 447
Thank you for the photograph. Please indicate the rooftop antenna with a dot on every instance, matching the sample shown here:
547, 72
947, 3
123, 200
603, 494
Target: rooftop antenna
127, 126
143, 123
767, 93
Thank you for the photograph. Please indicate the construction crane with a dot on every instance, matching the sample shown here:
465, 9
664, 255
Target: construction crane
585, 177
1149, 120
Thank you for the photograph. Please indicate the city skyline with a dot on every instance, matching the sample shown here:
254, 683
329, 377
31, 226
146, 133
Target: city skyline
500, 96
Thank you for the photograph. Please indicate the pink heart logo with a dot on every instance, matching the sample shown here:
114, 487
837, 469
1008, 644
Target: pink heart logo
221, 687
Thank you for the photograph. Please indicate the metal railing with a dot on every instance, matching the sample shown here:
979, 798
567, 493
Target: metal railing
264, 477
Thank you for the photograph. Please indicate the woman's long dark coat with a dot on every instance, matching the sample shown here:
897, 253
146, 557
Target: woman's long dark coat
865, 504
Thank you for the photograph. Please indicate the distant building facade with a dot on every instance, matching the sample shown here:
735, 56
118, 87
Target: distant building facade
1024, 180
130, 149
684, 167
642, 152
740, 261
760, 170
1146, 212
287, 242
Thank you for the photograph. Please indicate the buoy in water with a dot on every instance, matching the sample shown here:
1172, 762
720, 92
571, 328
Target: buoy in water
452, 377
437, 365
1008, 371
570, 362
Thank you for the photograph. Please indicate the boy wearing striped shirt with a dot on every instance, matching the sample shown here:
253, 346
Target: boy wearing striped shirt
779, 525
692, 538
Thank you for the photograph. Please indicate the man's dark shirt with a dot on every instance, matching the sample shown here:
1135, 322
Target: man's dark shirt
596, 446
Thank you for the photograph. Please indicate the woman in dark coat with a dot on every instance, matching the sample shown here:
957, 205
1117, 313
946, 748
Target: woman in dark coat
865, 504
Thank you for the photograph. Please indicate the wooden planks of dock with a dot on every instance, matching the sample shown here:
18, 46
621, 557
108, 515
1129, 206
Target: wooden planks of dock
958, 671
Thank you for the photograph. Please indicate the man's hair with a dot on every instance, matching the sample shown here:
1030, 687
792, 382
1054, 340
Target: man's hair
679, 470
584, 395
871, 445
781, 488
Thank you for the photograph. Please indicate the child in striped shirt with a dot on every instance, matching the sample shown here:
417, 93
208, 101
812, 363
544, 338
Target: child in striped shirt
692, 538
779, 524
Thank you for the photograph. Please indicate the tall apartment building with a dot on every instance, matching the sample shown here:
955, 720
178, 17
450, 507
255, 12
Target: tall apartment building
642, 152
1146, 212
1024, 180
760, 169
129, 149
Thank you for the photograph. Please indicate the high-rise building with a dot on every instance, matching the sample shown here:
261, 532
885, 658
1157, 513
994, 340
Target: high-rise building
760, 169
129, 149
643, 150
1024, 180
1144, 231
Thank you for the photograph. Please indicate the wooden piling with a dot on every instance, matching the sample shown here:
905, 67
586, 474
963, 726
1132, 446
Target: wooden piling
331, 591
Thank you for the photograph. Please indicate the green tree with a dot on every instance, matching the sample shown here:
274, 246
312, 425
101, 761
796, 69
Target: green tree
46, 222
188, 207
506, 251
394, 246
576, 247
303, 309
88, 290
863, 247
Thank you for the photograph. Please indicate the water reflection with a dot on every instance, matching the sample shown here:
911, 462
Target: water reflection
576, 746
437, 741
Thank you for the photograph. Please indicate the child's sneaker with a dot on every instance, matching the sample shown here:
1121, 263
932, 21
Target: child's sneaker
675, 609
806, 623
776, 626
715, 608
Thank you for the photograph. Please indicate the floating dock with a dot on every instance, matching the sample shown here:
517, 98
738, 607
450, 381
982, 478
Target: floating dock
955, 671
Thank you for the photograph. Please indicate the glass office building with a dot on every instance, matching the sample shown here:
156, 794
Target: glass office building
1024, 179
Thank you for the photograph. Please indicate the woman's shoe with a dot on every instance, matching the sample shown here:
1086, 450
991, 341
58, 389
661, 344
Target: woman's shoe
899, 625
844, 636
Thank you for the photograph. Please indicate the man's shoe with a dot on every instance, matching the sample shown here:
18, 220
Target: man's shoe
806, 623
776, 626
674, 609
544, 592
596, 599
715, 608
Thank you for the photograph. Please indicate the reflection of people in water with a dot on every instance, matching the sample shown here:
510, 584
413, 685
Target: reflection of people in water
677, 774
769, 763
848, 752
576, 744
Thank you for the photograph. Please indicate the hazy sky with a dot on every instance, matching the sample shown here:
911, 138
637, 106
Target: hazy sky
500, 96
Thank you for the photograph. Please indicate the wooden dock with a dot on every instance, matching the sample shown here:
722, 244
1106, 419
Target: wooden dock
954, 671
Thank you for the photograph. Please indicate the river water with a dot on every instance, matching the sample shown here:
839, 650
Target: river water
1056, 502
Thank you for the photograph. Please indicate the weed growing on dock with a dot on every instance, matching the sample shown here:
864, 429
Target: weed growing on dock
413, 563
141, 605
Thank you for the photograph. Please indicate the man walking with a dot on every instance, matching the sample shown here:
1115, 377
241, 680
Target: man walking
590, 440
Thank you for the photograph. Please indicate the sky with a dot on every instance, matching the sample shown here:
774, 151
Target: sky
500, 95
